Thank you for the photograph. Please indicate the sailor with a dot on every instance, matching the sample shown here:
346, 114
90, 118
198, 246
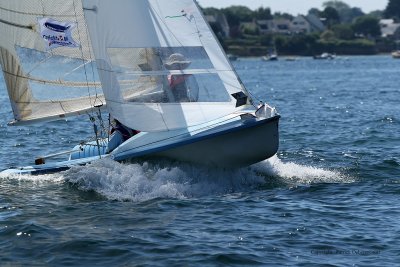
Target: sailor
119, 134
184, 87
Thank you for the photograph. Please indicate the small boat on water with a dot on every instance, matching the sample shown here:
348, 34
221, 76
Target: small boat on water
154, 66
270, 57
396, 54
325, 56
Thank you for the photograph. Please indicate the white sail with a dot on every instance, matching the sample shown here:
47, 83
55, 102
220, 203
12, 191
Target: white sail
46, 82
145, 49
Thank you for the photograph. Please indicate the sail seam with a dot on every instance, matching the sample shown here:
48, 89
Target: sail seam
33, 14
53, 82
166, 72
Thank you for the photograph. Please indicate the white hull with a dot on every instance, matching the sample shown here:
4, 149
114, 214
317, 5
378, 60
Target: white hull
230, 142
234, 144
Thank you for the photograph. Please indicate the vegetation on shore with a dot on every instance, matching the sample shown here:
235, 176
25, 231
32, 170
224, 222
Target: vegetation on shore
348, 31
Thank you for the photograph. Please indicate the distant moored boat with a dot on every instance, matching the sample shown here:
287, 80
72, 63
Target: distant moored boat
396, 54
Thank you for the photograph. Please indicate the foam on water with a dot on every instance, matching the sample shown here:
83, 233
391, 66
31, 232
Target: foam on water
37, 179
295, 174
163, 179
149, 180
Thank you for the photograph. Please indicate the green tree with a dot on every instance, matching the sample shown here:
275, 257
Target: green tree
377, 14
338, 5
210, 11
328, 36
343, 31
349, 15
296, 45
278, 15
346, 13
249, 29
331, 15
314, 11
367, 26
392, 9
266, 39
237, 14
263, 13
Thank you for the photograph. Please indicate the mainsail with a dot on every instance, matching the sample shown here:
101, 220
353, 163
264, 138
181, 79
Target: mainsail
146, 49
47, 76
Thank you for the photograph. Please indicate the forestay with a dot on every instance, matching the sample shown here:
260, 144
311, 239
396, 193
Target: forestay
46, 58
160, 65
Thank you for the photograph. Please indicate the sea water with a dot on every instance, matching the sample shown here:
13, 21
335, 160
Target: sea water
330, 196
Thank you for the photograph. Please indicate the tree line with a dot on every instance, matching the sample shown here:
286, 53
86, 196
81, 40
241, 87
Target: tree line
348, 30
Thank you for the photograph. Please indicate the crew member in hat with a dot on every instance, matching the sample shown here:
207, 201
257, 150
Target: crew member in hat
184, 87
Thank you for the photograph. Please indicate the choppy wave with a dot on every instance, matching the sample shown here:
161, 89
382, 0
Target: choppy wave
295, 174
37, 179
150, 180
163, 179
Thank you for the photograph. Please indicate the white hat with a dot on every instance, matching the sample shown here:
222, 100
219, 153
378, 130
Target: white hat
176, 61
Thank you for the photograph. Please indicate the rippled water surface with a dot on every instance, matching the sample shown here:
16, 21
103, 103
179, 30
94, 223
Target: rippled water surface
330, 196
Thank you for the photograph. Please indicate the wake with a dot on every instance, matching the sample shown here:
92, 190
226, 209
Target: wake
163, 179
295, 174
150, 180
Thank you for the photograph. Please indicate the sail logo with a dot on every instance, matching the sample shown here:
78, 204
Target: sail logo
56, 27
56, 33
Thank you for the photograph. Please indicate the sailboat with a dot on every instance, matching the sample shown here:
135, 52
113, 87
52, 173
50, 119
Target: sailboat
64, 58
272, 55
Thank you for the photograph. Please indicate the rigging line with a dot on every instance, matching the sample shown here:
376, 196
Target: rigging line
91, 61
90, 53
95, 129
77, 68
39, 63
82, 55
62, 107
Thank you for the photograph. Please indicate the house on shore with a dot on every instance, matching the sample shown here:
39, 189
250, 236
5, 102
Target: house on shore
390, 29
281, 26
307, 24
300, 24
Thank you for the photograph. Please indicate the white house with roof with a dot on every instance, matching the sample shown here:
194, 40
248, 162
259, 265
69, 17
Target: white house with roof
274, 26
300, 24
265, 26
389, 28
307, 24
